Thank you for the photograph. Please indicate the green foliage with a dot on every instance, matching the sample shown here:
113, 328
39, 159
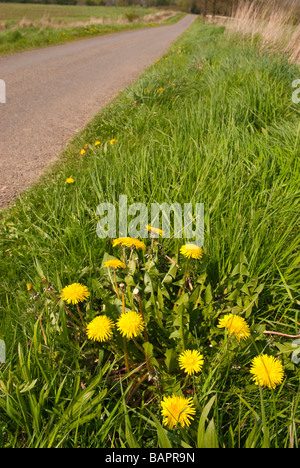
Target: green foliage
223, 131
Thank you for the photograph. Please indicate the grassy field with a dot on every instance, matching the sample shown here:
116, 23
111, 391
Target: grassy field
213, 122
28, 26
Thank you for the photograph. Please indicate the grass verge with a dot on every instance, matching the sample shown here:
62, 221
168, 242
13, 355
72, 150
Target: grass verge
212, 121
26, 26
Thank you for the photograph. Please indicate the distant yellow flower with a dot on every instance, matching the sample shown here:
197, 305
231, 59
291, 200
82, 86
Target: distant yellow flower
114, 263
29, 286
267, 371
158, 60
191, 361
100, 329
191, 251
130, 324
112, 141
75, 293
70, 180
97, 143
129, 242
160, 90
82, 151
155, 230
235, 325
177, 410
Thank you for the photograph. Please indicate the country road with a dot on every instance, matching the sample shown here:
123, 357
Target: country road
53, 92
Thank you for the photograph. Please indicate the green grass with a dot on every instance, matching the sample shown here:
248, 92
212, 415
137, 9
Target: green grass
29, 26
224, 131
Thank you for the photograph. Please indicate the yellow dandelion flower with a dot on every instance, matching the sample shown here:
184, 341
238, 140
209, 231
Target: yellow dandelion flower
160, 90
155, 230
235, 325
267, 371
29, 286
191, 361
129, 242
130, 324
100, 329
75, 293
177, 410
97, 143
191, 251
70, 180
112, 141
114, 263
139, 245
82, 151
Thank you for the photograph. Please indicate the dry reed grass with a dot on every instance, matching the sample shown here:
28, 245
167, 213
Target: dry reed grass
275, 24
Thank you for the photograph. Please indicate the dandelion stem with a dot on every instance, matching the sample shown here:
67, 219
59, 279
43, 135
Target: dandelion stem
124, 254
116, 284
80, 315
145, 333
126, 355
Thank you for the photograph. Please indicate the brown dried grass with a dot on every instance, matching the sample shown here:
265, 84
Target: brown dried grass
271, 22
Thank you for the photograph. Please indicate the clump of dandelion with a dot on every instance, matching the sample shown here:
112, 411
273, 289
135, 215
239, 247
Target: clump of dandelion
267, 371
130, 324
70, 180
160, 90
235, 325
82, 151
100, 328
191, 361
113, 141
191, 251
29, 286
177, 410
97, 143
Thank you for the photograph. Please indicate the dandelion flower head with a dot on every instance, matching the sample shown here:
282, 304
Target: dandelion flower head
267, 371
75, 293
70, 180
236, 326
129, 242
100, 328
114, 263
154, 230
191, 251
177, 410
130, 324
191, 361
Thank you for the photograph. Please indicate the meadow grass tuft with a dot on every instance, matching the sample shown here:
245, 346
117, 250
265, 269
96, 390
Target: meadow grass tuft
221, 130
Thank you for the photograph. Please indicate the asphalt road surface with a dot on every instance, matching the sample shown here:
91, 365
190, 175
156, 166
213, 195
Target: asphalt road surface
53, 92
